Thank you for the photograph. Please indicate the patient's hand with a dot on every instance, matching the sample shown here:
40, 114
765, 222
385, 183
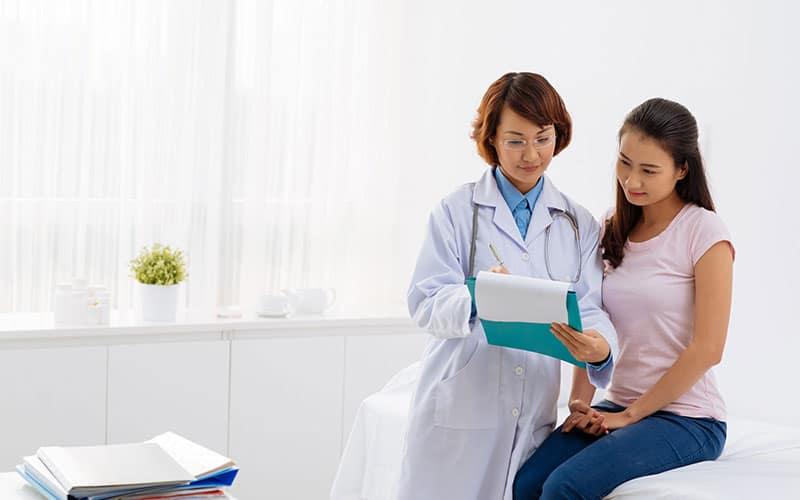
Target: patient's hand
584, 418
617, 420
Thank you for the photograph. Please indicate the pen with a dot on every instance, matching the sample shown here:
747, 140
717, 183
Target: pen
496, 255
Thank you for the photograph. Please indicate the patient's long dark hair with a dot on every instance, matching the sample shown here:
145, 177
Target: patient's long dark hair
674, 128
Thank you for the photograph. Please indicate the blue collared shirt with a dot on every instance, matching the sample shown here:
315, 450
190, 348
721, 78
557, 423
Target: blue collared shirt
521, 205
514, 199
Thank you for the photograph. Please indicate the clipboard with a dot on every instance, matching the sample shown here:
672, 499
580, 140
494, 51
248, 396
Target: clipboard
533, 337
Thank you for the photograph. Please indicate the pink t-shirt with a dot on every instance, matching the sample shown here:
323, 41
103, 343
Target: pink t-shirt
650, 299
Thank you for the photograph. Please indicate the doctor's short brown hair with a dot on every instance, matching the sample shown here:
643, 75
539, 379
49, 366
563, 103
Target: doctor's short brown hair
530, 96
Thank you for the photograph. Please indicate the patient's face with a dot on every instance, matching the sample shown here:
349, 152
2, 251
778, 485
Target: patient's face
645, 170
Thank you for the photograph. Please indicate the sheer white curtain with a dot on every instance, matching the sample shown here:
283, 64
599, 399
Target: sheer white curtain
238, 131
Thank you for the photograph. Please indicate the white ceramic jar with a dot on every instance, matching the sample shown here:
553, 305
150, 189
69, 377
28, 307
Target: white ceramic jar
62, 301
99, 307
79, 310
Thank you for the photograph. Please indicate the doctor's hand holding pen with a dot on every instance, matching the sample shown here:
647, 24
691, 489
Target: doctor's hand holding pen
499, 268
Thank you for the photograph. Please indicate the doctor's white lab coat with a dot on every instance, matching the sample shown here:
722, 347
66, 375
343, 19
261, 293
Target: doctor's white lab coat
479, 411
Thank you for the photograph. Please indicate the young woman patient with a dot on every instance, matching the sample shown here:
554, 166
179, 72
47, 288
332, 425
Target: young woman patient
667, 289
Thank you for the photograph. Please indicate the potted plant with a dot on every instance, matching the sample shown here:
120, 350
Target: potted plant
159, 271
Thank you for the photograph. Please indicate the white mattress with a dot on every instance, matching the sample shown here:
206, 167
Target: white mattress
760, 460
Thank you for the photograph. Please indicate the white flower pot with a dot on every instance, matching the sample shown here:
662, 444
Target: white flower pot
159, 302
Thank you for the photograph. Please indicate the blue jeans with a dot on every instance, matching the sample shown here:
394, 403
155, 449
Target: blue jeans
576, 465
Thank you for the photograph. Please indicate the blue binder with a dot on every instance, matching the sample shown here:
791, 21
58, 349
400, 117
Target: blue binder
534, 337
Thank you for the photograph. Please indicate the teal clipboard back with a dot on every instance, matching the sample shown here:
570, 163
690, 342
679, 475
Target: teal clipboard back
534, 337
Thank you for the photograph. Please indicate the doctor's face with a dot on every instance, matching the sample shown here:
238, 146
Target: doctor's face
645, 170
524, 149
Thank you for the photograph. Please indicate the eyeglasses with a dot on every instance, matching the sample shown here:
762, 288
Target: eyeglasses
521, 144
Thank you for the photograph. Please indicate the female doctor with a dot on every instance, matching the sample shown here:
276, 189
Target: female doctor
479, 410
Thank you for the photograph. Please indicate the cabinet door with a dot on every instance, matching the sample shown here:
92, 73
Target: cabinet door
52, 397
180, 387
286, 416
370, 362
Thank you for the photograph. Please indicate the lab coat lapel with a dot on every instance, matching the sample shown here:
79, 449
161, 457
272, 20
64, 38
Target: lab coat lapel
550, 197
504, 220
487, 193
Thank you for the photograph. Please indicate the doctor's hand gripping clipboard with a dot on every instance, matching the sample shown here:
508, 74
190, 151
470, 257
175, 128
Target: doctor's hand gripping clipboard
525, 335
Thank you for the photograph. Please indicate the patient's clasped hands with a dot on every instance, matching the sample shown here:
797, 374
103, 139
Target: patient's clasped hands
596, 423
585, 418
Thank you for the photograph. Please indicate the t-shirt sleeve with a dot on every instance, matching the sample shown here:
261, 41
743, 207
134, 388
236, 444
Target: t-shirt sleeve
708, 231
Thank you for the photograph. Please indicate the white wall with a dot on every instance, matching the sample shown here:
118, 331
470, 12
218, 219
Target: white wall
734, 64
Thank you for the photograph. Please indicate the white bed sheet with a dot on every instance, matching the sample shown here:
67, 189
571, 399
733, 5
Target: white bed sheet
760, 460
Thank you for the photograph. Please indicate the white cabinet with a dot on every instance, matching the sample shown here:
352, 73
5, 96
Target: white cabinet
277, 397
286, 416
180, 387
52, 396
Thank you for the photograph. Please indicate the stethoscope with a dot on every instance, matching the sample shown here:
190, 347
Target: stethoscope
555, 213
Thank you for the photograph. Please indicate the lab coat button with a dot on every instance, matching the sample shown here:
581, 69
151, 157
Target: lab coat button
515, 412
519, 371
525, 257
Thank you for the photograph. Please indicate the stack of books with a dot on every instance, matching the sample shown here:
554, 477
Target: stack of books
165, 467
